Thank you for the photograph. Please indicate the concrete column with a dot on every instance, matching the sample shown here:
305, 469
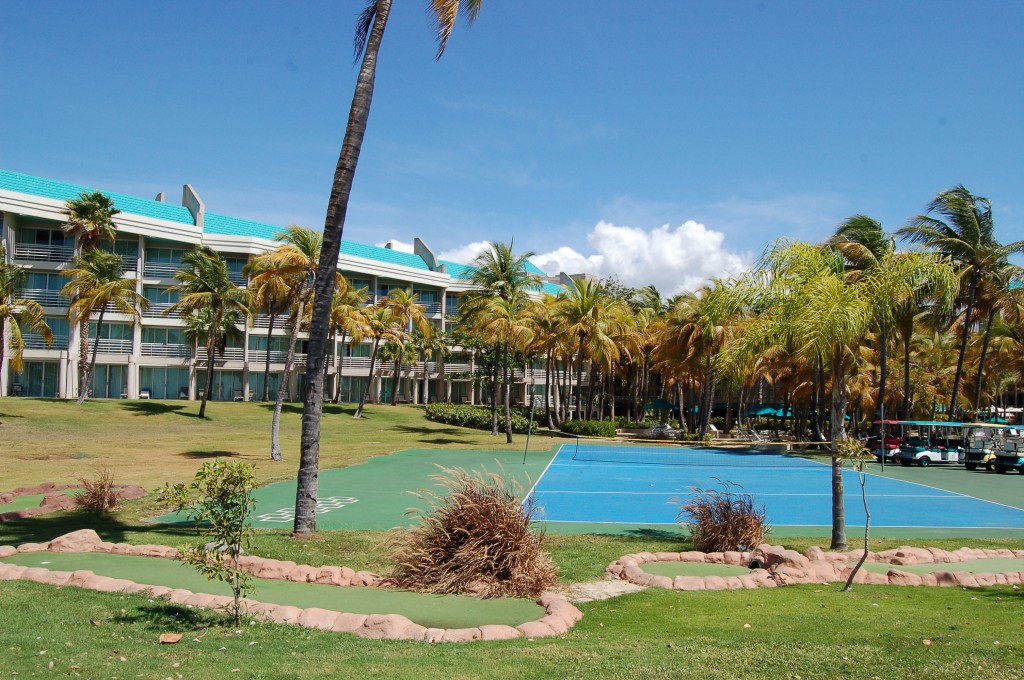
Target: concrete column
131, 383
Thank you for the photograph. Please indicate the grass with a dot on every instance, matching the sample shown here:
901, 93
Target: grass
805, 631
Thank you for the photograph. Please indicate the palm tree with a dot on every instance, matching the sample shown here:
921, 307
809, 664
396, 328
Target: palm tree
503, 323
407, 312
369, 33
498, 273
205, 284
592, 319
997, 299
966, 235
90, 222
294, 264
380, 325
348, 318
17, 313
95, 284
271, 287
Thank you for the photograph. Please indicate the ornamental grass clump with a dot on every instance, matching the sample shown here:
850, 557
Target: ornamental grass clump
475, 537
722, 519
98, 494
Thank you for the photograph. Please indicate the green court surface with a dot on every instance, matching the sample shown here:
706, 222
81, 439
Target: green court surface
376, 494
23, 502
432, 611
673, 569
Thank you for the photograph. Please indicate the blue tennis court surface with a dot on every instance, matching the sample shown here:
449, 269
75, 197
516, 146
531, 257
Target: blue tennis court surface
595, 483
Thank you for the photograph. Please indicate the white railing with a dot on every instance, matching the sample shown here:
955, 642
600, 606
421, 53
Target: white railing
28, 251
156, 309
431, 308
35, 341
226, 354
355, 362
129, 263
159, 270
259, 356
238, 279
159, 349
44, 296
263, 321
112, 346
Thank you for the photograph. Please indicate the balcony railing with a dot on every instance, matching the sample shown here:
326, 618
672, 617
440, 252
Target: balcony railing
129, 262
239, 279
160, 270
44, 296
259, 356
111, 346
226, 354
35, 341
431, 308
159, 349
37, 253
156, 309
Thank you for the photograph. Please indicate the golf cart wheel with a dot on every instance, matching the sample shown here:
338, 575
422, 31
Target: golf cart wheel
971, 466
924, 461
1000, 470
904, 462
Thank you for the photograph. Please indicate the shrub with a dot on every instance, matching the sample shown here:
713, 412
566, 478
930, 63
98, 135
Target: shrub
476, 417
475, 538
722, 519
98, 495
589, 428
624, 424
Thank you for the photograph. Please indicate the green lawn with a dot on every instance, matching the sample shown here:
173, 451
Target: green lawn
806, 631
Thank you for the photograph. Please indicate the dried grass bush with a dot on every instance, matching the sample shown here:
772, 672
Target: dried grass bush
724, 518
98, 494
473, 538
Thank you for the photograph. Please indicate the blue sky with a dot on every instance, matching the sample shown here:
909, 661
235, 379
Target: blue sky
663, 141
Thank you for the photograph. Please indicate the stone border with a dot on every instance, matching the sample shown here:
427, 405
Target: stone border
54, 500
560, 614
772, 566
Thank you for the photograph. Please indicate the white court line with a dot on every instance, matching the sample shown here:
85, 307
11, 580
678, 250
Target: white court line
877, 526
758, 495
530, 492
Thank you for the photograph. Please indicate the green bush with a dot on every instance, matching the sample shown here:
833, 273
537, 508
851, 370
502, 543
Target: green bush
624, 424
476, 417
589, 428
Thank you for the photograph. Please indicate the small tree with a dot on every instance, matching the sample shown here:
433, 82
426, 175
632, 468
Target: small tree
220, 501
858, 454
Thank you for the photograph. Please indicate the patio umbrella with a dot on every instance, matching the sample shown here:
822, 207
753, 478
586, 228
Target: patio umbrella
760, 410
660, 405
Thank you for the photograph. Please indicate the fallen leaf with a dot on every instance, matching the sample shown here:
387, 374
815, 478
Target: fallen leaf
94, 622
746, 625
927, 643
169, 638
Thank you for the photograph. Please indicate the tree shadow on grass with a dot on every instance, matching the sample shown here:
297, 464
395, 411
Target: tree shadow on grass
329, 409
163, 617
209, 454
146, 407
44, 528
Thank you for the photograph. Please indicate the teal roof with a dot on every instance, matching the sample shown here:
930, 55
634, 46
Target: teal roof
383, 255
457, 270
215, 223
552, 288
62, 191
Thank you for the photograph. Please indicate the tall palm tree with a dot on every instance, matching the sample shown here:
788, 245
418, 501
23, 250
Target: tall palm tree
591, 318
408, 313
997, 299
17, 313
369, 33
90, 220
205, 284
349, 319
96, 282
381, 325
271, 286
966, 235
503, 323
294, 262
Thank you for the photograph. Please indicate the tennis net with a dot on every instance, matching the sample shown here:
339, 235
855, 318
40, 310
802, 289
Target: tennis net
706, 457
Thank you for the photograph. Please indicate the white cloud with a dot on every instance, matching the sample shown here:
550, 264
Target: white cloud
464, 254
399, 246
672, 259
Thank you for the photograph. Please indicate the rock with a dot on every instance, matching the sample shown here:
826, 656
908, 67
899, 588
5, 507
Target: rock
688, 583
557, 624
692, 556
276, 569
499, 633
463, 634
535, 629
80, 577
364, 578
903, 578
301, 573
666, 557
384, 627
965, 579
814, 553
32, 547
733, 557
660, 582
329, 575
348, 623
314, 617
179, 595
714, 583
986, 580
284, 614
715, 558
7, 551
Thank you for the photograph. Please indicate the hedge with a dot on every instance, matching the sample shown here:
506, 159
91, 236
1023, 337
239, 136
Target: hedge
476, 417
589, 428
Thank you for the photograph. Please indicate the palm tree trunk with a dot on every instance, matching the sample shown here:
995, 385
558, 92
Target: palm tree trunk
83, 355
495, 387
981, 361
507, 395
275, 425
547, 390
369, 382
211, 357
83, 393
908, 331
579, 381
3, 347
341, 365
266, 368
838, 434
337, 207
963, 343
883, 346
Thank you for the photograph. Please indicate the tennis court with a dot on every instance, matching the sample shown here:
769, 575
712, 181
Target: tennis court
589, 483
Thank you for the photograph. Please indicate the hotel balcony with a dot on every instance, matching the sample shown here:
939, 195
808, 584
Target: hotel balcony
45, 297
159, 349
36, 253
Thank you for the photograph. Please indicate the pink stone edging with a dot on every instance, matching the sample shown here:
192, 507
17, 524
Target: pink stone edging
560, 614
54, 500
778, 567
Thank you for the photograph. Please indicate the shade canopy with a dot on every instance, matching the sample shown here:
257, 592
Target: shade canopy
661, 405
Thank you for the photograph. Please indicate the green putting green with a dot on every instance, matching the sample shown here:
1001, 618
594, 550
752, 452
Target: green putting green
376, 494
994, 565
23, 502
432, 611
673, 569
